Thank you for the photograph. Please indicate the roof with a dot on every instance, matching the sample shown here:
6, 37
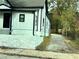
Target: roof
27, 3
4, 2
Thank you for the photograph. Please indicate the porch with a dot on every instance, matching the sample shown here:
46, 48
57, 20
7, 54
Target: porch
20, 41
4, 31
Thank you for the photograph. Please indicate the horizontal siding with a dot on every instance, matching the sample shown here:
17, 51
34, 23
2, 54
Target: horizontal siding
21, 27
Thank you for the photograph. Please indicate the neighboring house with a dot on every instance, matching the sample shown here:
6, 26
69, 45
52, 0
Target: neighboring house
24, 17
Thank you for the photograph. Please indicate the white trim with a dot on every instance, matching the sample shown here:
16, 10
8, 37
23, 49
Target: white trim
4, 7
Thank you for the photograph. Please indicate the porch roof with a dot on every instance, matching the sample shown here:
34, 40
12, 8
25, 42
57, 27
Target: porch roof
27, 3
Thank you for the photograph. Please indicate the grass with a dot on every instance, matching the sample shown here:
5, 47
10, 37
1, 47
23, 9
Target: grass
45, 43
73, 43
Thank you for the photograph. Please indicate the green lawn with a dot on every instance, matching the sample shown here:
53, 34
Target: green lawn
73, 43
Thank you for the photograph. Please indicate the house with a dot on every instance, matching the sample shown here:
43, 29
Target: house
24, 17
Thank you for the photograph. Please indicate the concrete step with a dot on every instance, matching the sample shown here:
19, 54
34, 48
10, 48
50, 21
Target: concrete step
4, 31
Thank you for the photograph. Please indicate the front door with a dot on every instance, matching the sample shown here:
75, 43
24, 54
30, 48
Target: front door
6, 20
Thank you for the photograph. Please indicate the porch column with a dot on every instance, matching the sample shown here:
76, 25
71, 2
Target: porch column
34, 24
10, 24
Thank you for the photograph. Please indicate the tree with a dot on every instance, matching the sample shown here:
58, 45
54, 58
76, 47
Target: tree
65, 11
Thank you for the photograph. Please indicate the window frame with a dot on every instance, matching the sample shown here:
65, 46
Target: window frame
21, 17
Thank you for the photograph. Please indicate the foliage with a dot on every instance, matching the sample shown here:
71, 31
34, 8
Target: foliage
73, 43
65, 12
44, 44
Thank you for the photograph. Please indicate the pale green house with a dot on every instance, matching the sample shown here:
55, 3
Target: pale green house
23, 18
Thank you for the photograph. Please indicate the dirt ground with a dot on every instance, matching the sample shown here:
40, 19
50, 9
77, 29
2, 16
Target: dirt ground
59, 43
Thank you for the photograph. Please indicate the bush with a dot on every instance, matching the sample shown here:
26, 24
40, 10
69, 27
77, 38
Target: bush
77, 33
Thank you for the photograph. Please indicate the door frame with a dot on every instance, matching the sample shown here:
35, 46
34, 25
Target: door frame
6, 25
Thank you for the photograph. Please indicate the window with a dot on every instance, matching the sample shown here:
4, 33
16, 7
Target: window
21, 17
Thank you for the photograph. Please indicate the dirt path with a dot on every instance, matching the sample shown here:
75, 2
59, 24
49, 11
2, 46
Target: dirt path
57, 43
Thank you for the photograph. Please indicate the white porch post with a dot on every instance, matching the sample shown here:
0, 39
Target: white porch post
39, 20
38, 26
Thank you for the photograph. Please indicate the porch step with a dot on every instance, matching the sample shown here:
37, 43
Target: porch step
4, 31
20, 41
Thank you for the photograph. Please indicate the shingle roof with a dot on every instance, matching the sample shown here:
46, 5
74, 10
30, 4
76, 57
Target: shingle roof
4, 2
27, 3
